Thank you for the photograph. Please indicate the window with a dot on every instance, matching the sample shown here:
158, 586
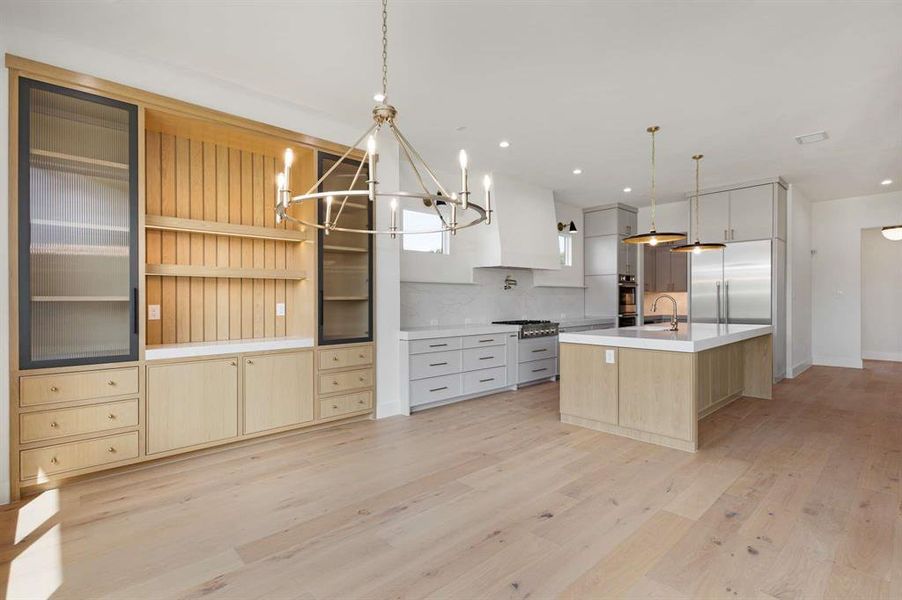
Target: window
412, 220
565, 245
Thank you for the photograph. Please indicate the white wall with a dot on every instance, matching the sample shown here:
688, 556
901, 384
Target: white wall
673, 216
572, 276
881, 297
836, 272
214, 93
798, 282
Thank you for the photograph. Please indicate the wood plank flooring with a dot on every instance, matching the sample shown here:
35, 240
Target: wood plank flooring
795, 497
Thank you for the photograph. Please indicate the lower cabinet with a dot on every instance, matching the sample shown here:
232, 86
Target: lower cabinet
278, 390
589, 382
189, 404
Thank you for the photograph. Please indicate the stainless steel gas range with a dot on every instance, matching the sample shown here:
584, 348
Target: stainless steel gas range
537, 350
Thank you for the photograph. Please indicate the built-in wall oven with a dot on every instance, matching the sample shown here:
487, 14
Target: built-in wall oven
626, 301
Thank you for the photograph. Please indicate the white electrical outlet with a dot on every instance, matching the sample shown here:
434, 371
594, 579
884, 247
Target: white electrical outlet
280, 309
609, 357
433, 322
467, 321
153, 312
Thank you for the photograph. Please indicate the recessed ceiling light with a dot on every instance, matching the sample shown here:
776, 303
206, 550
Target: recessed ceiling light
812, 138
379, 97
504, 144
627, 190
577, 171
886, 182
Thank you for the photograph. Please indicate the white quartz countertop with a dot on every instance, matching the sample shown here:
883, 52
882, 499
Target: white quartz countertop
585, 321
425, 333
691, 337
168, 351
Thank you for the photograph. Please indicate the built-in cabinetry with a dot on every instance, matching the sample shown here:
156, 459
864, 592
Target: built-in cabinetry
437, 368
609, 262
158, 308
663, 270
745, 213
345, 259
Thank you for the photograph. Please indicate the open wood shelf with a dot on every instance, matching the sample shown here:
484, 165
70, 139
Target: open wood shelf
227, 229
84, 160
225, 272
78, 225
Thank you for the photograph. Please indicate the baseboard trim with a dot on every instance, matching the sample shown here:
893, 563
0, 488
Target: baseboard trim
642, 436
799, 369
847, 362
890, 356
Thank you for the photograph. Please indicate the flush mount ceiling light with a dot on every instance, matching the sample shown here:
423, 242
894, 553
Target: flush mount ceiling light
698, 247
653, 237
504, 144
892, 232
812, 138
577, 171
886, 182
446, 205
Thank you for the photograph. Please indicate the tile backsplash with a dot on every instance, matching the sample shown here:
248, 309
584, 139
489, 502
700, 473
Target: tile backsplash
486, 300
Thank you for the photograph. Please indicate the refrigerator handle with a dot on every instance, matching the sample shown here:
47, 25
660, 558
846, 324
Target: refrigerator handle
726, 301
717, 293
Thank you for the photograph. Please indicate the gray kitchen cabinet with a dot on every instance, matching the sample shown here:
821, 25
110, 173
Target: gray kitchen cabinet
600, 222
679, 272
715, 217
665, 271
751, 213
662, 269
601, 255
601, 295
626, 259
649, 268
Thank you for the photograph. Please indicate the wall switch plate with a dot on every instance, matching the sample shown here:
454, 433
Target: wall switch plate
153, 312
280, 309
609, 357
433, 322
467, 321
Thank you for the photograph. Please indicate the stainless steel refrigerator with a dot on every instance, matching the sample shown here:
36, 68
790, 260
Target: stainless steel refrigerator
742, 284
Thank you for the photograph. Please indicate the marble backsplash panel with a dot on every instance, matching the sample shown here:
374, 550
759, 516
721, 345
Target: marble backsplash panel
486, 300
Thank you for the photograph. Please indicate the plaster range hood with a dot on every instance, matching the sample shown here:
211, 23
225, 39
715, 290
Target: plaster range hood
523, 233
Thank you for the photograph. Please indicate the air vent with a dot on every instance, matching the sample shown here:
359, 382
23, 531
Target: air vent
812, 138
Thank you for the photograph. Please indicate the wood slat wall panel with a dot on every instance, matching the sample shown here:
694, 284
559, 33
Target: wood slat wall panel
199, 179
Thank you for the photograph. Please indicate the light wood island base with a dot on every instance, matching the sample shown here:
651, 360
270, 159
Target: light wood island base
659, 396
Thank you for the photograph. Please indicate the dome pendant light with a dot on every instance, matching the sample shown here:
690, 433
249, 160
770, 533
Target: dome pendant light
697, 247
892, 232
653, 237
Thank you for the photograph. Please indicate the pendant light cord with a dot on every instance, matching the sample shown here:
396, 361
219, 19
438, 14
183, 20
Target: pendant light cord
384, 48
653, 131
698, 161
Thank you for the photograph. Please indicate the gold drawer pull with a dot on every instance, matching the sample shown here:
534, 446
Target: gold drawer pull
250, 362
111, 382
361, 356
335, 359
111, 417
334, 407
111, 450
53, 388
233, 364
55, 460
334, 382
54, 424
360, 402
362, 379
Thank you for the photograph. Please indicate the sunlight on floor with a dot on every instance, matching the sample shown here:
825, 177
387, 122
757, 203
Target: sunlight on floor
36, 513
37, 572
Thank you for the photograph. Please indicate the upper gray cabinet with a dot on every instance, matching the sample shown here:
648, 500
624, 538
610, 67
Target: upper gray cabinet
742, 214
604, 228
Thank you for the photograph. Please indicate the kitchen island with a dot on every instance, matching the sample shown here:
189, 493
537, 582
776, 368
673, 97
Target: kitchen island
653, 384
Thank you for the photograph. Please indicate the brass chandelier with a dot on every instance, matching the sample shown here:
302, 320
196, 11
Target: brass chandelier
697, 247
653, 237
459, 214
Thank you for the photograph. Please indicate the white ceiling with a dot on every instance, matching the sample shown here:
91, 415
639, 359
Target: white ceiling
570, 84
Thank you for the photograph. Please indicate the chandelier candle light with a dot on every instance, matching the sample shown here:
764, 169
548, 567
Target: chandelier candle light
698, 247
653, 237
446, 206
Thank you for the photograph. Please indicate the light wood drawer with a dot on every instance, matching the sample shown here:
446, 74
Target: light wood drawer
484, 358
338, 358
345, 381
478, 341
434, 364
435, 345
434, 389
83, 385
343, 405
537, 369
486, 379
78, 455
538, 348
51, 424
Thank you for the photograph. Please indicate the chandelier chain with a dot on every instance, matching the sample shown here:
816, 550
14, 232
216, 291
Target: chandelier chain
384, 48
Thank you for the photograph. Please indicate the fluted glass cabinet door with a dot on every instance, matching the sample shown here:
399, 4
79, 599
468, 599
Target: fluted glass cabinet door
345, 260
78, 220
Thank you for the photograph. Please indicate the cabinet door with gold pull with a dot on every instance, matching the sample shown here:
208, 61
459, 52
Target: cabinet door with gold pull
190, 404
278, 390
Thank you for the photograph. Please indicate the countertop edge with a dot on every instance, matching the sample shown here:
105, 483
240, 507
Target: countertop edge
201, 349
454, 331
663, 344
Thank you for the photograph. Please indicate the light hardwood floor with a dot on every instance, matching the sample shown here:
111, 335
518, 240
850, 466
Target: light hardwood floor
795, 497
